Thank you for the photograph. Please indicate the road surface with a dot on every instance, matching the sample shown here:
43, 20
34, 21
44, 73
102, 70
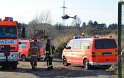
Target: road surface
59, 71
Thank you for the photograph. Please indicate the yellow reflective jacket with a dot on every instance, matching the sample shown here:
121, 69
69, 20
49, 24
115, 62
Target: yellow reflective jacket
34, 50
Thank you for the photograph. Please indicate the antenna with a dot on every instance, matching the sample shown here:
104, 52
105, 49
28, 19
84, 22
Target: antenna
36, 15
64, 7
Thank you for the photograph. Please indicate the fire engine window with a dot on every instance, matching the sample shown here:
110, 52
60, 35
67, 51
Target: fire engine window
8, 32
85, 44
77, 44
70, 44
105, 43
38, 43
23, 44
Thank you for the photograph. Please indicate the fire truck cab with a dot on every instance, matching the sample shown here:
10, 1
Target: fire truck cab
9, 54
90, 51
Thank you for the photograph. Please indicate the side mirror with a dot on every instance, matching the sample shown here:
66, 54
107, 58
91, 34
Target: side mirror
19, 42
65, 46
88, 47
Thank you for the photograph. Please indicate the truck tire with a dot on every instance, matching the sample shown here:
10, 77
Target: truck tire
5, 67
86, 64
65, 63
107, 66
14, 65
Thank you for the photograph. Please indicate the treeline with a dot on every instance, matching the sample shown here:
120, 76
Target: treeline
60, 34
92, 28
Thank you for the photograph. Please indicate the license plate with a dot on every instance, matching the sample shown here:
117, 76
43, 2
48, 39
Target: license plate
106, 54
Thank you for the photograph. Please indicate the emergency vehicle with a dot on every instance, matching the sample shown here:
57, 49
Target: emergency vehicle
9, 54
25, 46
90, 51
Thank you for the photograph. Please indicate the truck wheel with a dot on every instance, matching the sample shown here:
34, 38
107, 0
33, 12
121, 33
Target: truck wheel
107, 66
14, 66
4, 66
65, 62
23, 58
86, 64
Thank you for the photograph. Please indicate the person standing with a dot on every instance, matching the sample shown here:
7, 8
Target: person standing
33, 52
49, 49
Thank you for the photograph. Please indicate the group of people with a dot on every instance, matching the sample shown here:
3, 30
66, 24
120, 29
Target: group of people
49, 52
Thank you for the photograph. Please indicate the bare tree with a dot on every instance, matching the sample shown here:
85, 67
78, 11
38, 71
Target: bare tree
38, 23
45, 17
30, 29
76, 22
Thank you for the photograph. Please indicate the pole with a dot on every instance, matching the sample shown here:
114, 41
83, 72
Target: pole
64, 7
119, 40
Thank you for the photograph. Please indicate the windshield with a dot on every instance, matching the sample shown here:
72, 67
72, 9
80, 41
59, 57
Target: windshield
23, 45
38, 43
8, 32
105, 43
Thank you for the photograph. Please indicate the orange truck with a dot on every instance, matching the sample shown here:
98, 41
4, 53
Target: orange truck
24, 49
89, 52
9, 45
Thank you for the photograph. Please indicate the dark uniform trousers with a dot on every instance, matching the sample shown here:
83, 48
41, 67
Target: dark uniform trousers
49, 56
49, 62
33, 61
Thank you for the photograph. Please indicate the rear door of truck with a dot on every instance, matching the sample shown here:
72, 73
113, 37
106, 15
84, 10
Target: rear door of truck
105, 50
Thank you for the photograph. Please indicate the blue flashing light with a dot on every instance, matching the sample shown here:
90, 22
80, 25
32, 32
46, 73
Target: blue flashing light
21, 39
76, 37
10, 19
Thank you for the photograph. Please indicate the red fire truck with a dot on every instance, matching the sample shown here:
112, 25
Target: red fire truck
9, 44
25, 46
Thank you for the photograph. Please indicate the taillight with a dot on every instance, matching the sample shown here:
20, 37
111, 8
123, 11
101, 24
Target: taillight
116, 52
93, 54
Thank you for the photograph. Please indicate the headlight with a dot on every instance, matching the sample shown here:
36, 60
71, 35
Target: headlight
15, 55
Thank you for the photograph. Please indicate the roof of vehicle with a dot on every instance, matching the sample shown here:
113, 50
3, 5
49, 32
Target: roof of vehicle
8, 21
90, 38
28, 40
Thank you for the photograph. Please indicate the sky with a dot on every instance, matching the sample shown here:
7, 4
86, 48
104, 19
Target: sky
102, 11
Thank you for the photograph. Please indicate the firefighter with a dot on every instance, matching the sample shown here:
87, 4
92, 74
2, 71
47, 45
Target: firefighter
49, 49
33, 52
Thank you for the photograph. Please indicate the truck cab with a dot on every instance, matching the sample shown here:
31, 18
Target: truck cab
9, 54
